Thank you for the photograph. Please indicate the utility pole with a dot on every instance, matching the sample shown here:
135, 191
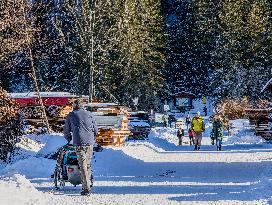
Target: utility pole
91, 52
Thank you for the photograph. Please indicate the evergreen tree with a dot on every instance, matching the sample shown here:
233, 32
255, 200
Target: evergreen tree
191, 39
53, 50
128, 49
242, 58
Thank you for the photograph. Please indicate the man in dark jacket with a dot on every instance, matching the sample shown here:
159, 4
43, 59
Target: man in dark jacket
217, 133
180, 135
80, 130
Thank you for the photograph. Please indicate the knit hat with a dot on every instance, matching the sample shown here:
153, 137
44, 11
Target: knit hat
77, 104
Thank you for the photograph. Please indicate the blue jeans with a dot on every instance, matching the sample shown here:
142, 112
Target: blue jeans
218, 142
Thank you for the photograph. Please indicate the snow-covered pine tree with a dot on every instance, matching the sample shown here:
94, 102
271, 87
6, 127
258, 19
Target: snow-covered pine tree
54, 60
12, 38
191, 30
128, 48
179, 23
204, 31
242, 57
142, 51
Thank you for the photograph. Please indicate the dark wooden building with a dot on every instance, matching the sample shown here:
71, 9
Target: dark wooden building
183, 100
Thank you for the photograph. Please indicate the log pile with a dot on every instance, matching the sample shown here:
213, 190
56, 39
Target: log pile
113, 130
56, 116
11, 126
260, 119
53, 111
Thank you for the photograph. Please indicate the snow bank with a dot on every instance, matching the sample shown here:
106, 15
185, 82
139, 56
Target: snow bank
30, 160
167, 134
32, 167
16, 189
241, 133
239, 123
243, 137
51, 144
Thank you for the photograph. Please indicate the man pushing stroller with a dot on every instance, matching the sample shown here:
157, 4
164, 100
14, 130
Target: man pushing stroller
80, 130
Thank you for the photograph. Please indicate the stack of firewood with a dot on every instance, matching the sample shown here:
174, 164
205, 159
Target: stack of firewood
115, 134
11, 126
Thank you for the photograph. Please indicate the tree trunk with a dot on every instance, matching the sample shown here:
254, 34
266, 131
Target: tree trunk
34, 76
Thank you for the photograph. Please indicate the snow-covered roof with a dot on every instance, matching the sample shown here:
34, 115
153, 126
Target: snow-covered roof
260, 109
43, 94
139, 112
101, 104
104, 108
267, 85
138, 124
108, 121
184, 93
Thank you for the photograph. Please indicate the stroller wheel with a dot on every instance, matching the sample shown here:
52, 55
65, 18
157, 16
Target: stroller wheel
58, 178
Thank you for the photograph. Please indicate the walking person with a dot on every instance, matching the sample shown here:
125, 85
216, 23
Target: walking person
191, 136
217, 133
188, 121
205, 110
198, 128
165, 120
180, 135
80, 129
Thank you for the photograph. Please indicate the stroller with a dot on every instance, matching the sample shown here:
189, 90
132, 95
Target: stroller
69, 170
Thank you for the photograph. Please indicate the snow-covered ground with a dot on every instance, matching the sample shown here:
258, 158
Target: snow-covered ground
156, 171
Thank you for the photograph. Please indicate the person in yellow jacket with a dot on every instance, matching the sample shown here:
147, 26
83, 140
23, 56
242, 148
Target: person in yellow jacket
198, 128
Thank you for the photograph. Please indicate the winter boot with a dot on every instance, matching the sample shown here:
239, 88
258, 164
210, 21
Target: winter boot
212, 141
220, 148
195, 147
85, 192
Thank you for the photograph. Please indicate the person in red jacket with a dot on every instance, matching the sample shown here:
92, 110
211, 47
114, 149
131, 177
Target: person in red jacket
191, 136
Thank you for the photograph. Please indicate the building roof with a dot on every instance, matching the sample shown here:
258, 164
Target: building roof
184, 94
43, 94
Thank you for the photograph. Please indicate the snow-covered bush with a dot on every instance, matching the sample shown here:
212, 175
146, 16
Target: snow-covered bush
232, 108
11, 126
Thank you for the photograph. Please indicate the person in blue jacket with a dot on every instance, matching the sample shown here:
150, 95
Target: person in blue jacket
80, 130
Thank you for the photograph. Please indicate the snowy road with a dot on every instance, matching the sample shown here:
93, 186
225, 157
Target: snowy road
152, 173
